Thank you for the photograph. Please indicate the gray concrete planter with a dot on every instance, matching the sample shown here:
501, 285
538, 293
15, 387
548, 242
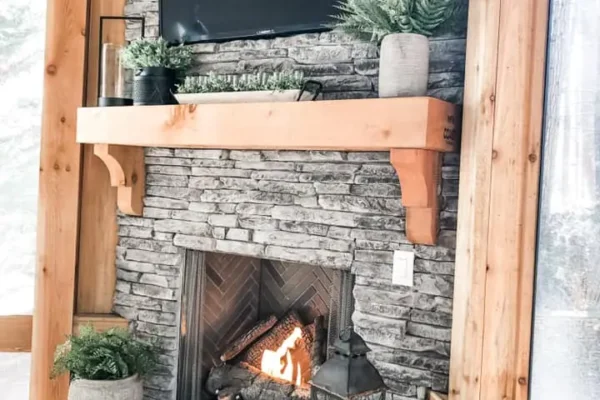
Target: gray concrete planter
125, 389
403, 65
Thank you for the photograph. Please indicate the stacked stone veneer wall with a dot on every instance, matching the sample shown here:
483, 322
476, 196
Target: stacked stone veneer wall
347, 67
333, 209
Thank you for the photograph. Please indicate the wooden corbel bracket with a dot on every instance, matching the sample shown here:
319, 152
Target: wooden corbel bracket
127, 173
419, 173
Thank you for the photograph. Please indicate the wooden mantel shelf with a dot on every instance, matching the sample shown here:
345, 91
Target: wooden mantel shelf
415, 130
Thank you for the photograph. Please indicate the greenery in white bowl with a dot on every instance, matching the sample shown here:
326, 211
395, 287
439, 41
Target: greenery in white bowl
156, 52
213, 83
375, 19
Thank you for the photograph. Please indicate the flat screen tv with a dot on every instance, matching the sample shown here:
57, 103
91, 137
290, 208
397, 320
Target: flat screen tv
194, 21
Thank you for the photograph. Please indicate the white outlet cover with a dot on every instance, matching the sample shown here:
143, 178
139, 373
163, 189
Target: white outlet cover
404, 263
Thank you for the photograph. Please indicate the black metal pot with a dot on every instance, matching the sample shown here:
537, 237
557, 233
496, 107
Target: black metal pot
154, 86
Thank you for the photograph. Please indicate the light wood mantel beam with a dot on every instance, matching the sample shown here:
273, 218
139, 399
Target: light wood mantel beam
354, 125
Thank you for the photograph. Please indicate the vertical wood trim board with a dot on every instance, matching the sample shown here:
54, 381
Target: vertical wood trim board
58, 210
98, 227
498, 199
474, 198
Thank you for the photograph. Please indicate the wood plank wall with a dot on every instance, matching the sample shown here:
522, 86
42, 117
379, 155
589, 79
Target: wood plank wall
58, 210
98, 231
498, 199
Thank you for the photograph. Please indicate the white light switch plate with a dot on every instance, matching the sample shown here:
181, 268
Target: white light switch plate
404, 262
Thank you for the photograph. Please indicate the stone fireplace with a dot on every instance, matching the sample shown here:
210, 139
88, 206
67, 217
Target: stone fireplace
329, 213
337, 213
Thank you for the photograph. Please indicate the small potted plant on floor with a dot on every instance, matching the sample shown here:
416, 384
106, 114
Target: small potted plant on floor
249, 88
104, 365
402, 28
156, 65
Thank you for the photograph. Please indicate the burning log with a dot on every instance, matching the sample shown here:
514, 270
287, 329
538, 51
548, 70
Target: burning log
227, 379
275, 361
268, 387
251, 384
265, 387
305, 356
241, 343
272, 340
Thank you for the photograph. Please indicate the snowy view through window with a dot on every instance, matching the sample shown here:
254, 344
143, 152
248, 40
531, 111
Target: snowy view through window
22, 24
21, 76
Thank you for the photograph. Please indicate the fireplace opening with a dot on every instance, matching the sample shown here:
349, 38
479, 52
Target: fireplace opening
256, 328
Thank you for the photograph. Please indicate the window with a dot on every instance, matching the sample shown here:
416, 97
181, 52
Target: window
22, 40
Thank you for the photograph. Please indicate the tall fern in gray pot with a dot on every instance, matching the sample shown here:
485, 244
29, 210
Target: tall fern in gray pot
402, 27
156, 65
104, 365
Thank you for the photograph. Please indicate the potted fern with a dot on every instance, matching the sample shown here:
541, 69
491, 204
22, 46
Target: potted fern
156, 65
402, 27
104, 365
251, 88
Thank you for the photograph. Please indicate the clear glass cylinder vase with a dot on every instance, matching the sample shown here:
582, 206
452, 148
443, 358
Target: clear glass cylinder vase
115, 80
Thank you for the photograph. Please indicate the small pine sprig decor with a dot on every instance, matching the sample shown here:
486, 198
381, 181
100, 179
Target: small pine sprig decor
375, 19
156, 52
213, 83
104, 356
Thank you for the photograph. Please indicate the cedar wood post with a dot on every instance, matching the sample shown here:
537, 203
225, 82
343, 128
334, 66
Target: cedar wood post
498, 199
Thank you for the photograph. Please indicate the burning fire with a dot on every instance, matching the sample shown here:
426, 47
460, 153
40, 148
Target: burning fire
279, 363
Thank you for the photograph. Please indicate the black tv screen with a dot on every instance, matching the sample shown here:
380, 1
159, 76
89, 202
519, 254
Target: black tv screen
193, 21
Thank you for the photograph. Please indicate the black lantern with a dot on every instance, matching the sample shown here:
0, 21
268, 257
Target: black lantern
348, 374
114, 81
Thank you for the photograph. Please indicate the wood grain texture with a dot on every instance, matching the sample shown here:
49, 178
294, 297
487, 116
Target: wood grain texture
368, 124
419, 173
16, 330
474, 199
100, 322
98, 226
514, 201
59, 184
437, 396
15, 333
126, 169
498, 200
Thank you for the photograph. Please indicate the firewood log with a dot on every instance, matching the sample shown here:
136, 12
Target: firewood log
242, 343
273, 339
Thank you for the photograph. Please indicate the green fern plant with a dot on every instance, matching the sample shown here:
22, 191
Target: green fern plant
278, 81
104, 356
374, 19
150, 52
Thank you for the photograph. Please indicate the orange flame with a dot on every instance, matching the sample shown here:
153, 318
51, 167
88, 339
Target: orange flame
279, 363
